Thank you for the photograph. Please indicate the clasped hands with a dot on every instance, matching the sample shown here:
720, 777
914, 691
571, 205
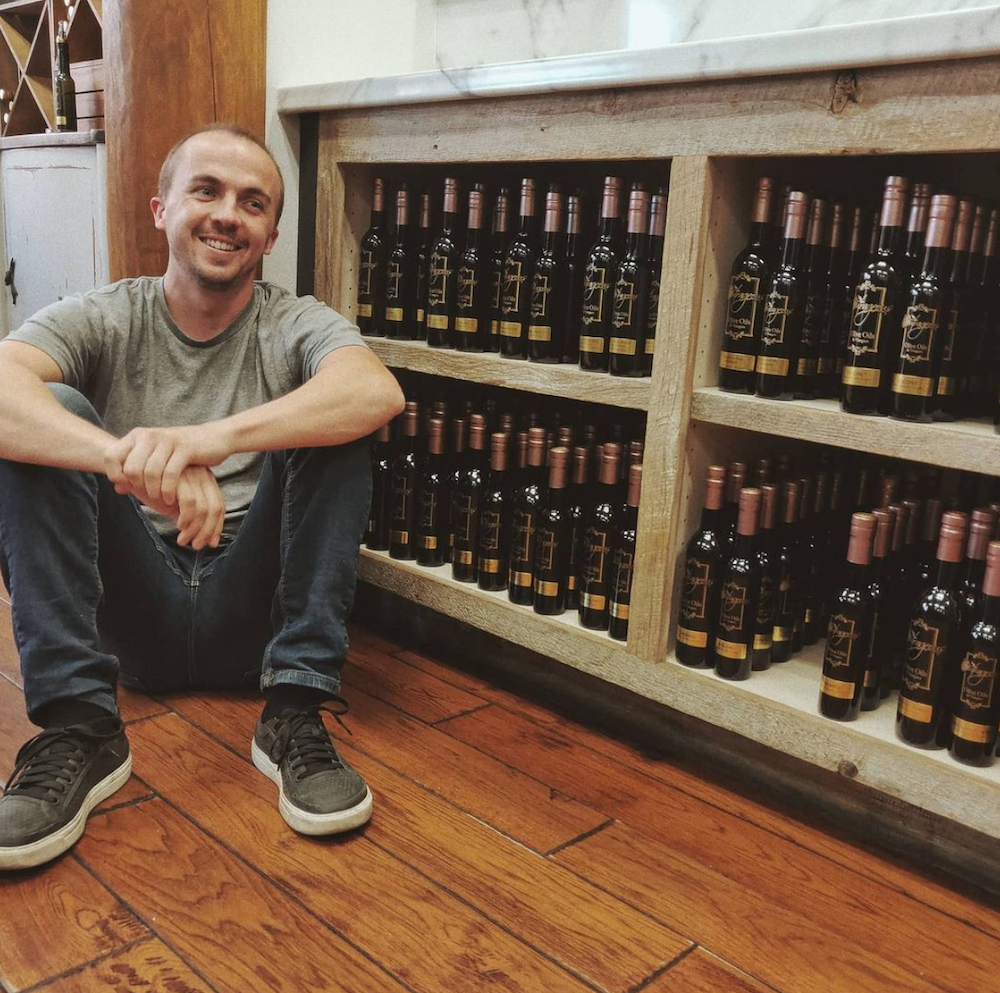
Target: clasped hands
168, 470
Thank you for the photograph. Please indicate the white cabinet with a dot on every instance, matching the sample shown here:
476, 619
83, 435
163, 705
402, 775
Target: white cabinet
53, 207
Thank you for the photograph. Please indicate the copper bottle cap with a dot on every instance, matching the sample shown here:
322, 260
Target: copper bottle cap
459, 434
894, 202
477, 433
425, 210
890, 487
475, 210
748, 520
941, 221
817, 218
608, 461
769, 506
734, 481
761, 212
821, 492
883, 532
913, 508
553, 211
537, 444
790, 495
796, 214
501, 212
450, 196
378, 194
980, 534
919, 207
572, 214
805, 501
951, 542
991, 581
715, 483
978, 229
527, 197
990, 245
862, 539
931, 523
857, 229
658, 216
558, 467
609, 201
581, 460
899, 528
638, 212
402, 207
963, 226
384, 433
634, 484
836, 236
498, 451
411, 423
435, 436
762, 472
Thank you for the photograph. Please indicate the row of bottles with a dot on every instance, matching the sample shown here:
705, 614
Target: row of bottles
904, 325
547, 514
909, 610
512, 289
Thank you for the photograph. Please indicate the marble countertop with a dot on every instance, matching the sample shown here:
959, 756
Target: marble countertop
922, 38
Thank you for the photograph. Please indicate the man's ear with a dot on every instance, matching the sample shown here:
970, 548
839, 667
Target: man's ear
156, 206
271, 241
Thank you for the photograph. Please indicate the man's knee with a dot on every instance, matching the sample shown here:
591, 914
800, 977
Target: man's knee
75, 402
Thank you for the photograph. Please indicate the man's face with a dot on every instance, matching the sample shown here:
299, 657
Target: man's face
220, 211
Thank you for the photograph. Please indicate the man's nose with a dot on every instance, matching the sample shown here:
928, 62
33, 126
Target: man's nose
224, 210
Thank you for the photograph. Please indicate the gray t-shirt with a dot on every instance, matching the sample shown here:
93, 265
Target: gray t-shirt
120, 347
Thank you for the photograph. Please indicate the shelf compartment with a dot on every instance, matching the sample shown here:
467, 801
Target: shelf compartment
84, 38
970, 445
489, 368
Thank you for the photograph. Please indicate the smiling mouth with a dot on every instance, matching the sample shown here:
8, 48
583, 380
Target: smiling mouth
219, 246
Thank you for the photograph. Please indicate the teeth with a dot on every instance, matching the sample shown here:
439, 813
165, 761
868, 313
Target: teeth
222, 246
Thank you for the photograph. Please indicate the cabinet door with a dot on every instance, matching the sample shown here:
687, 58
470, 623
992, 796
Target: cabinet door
54, 226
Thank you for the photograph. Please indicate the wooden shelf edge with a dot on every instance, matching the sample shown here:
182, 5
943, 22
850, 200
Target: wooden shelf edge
489, 368
776, 708
970, 445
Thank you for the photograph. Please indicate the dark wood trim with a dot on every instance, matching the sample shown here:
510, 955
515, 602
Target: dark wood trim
308, 178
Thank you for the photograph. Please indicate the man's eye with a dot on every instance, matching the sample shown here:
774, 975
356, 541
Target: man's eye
205, 191
255, 204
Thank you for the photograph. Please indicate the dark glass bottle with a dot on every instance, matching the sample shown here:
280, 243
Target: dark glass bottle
976, 710
573, 279
552, 542
849, 633
833, 299
916, 230
377, 529
873, 341
784, 309
856, 258
441, 278
815, 561
431, 542
598, 280
947, 400
401, 277
871, 693
472, 300
736, 476
62, 83
402, 519
515, 293
492, 537
779, 209
466, 499
657, 237
576, 507
916, 372
982, 527
546, 332
932, 644
971, 378
748, 286
739, 594
631, 294
815, 267
600, 526
623, 561
526, 505
767, 559
984, 345
371, 267
501, 228
422, 251
703, 560
802, 565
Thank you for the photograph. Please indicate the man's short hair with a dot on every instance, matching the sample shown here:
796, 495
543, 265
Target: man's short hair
170, 162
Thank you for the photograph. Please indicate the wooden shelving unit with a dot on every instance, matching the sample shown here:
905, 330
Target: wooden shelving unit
719, 136
28, 54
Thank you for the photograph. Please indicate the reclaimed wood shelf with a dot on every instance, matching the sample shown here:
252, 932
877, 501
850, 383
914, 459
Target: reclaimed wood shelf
972, 445
492, 369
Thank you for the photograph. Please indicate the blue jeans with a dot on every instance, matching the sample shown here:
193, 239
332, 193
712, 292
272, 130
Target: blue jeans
95, 588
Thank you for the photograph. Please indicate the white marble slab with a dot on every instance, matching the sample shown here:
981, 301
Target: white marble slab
923, 38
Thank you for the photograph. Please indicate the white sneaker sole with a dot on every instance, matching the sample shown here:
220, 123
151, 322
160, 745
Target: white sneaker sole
53, 845
304, 821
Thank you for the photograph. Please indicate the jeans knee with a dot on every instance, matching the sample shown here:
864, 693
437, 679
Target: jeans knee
75, 402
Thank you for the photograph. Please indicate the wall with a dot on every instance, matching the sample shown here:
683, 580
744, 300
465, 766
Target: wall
314, 41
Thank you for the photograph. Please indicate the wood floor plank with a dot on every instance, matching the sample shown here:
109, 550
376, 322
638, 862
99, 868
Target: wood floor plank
361, 637
795, 952
56, 918
241, 932
132, 792
419, 931
732, 844
526, 809
419, 694
135, 706
147, 967
702, 972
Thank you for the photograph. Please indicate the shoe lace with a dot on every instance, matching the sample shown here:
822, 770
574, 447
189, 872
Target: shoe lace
305, 740
47, 765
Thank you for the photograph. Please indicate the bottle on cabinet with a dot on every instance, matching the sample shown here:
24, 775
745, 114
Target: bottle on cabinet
573, 278
525, 509
466, 498
657, 238
371, 267
552, 543
515, 293
431, 526
631, 294
62, 83
441, 279
600, 526
598, 289
546, 332
402, 518
472, 316
377, 529
623, 561
501, 227
401, 277
493, 534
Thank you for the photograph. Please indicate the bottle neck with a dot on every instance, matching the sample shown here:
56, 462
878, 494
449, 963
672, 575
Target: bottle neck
607, 230
959, 266
472, 239
636, 247
711, 520
550, 243
947, 575
746, 545
62, 50
525, 226
378, 219
991, 610
888, 240
914, 244
760, 234
791, 251
935, 257
975, 570
855, 575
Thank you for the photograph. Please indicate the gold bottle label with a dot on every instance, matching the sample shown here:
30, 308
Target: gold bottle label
399, 537
946, 386
593, 601
428, 541
857, 376
595, 287
543, 588
732, 611
489, 566
394, 314
623, 305
919, 712
913, 386
592, 344
978, 734
694, 639
619, 610
806, 367
761, 642
439, 322
841, 636
867, 314
744, 299
871, 679
697, 583
730, 649
513, 279
510, 329
782, 634
776, 314
920, 325
737, 362
364, 310
622, 346
521, 578
979, 672
770, 366
650, 346
923, 649
837, 688
539, 332
463, 558
467, 325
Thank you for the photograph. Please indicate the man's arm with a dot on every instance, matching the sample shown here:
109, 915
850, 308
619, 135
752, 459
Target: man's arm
351, 395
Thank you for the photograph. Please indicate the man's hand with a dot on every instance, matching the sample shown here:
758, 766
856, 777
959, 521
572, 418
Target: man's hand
149, 461
199, 508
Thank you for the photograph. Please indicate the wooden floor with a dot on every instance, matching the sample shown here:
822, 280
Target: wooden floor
511, 850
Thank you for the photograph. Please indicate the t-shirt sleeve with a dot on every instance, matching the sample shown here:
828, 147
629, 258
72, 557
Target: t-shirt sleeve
71, 333
312, 330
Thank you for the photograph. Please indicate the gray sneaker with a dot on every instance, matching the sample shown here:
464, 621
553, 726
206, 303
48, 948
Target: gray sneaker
59, 777
319, 793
